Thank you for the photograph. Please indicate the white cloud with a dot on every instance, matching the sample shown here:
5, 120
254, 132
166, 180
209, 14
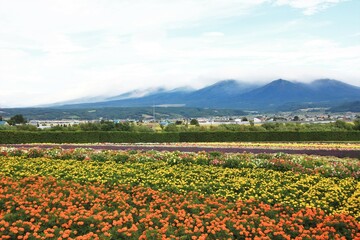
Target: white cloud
309, 7
213, 34
57, 50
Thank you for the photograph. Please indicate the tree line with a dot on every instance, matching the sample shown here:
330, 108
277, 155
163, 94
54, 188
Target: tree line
18, 123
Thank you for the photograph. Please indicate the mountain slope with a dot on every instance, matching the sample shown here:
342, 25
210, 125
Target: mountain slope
325, 89
157, 98
278, 92
347, 107
216, 95
219, 95
237, 95
136, 94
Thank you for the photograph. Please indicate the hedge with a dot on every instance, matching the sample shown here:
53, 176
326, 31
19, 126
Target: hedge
13, 137
268, 136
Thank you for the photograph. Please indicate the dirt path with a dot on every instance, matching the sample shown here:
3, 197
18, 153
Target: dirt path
321, 152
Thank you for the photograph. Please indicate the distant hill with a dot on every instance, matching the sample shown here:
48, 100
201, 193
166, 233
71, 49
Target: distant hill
329, 90
232, 94
276, 93
119, 113
318, 92
220, 94
347, 107
150, 99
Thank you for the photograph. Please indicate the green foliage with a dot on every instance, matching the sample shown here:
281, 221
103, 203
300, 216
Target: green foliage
107, 126
123, 126
268, 136
26, 127
142, 128
194, 122
12, 137
357, 125
238, 128
17, 119
120, 113
89, 127
175, 128
309, 127
101, 126
6, 128
179, 122
296, 118
343, 125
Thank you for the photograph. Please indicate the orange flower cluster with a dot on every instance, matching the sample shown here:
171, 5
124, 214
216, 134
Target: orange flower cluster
42, 208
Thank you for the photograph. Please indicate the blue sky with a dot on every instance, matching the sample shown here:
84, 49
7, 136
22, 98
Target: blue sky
53, 51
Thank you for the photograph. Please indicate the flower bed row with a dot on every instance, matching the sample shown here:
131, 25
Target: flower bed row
38, 208
296, 190
261, 145
274, 145
325, 166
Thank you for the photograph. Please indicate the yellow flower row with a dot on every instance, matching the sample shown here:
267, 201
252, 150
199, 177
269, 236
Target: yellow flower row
293, 189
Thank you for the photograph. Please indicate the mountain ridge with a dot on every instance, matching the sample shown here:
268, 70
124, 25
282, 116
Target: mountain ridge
234, 94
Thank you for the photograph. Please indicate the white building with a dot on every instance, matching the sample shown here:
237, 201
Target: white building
52, 123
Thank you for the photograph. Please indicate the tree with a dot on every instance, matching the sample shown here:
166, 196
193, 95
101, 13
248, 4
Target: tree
178, 122
194, 122
342, 125
143, 128
171, 128
107, 126
26, 128
296, 118
89, 127
17, 119
357, 124
123, 126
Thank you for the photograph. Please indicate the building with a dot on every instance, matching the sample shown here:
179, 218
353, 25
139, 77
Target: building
3, 123
53, 123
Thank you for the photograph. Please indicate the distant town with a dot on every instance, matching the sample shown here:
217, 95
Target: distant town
207, 121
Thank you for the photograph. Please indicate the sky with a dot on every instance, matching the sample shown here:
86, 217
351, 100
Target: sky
58, 50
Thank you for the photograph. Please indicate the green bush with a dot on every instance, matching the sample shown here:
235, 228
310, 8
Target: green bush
13, 137
267, 136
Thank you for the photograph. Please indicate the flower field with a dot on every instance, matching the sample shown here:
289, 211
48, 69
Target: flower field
88, 194
282, 145
261, 145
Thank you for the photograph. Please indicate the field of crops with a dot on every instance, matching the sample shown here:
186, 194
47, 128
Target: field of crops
90, 194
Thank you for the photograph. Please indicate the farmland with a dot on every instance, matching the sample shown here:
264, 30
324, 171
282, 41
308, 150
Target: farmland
339, 149
104, 194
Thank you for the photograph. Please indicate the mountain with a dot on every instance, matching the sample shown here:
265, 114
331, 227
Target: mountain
83, 100
224, 88
281, 92
136, 94
213, 96
219, 95
159, 97
335, 90
233, 94
347, 107
275, 93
